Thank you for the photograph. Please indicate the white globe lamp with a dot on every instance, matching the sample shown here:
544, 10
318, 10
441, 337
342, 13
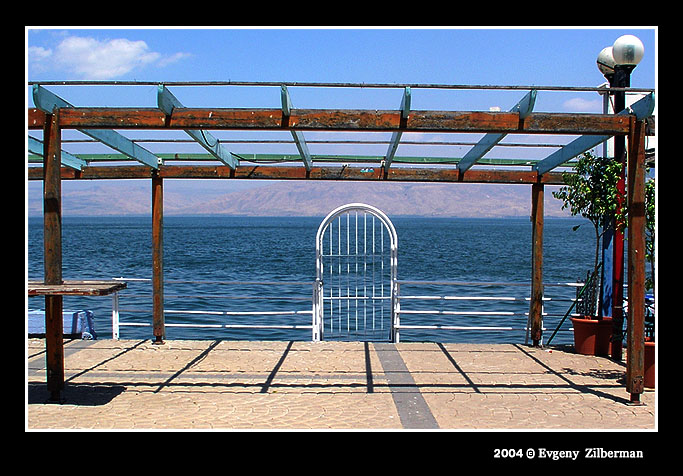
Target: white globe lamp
628, 50
606, 61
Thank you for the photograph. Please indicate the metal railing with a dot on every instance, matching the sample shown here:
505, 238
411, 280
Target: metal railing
503, 303
418, 306
213, 314
590, 305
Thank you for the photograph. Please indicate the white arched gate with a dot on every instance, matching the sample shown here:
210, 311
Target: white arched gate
356, 264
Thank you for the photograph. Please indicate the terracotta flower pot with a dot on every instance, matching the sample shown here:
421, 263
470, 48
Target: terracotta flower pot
649, 365
592, 337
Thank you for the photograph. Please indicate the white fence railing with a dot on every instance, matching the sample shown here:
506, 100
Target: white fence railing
212, 314
503, 305
455, 306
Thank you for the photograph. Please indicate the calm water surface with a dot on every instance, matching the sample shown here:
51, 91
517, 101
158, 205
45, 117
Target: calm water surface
206, 250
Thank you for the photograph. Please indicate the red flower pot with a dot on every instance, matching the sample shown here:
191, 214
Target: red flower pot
649, 365
592, 337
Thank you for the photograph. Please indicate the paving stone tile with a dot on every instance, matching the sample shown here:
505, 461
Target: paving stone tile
329, 385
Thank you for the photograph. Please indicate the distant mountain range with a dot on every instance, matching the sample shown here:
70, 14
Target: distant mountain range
299, 198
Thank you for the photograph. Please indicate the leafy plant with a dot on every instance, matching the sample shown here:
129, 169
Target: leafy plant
591, 191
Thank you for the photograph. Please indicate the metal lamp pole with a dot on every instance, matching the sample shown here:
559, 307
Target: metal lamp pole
617, 63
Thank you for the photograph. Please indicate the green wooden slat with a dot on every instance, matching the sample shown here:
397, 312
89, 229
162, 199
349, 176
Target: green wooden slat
271, 158
524, 107
396, 136
642, 109
37, 147
297, 135
166, 101
46, 101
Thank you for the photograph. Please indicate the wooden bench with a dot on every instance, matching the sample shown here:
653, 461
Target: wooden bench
75, 288
54, 341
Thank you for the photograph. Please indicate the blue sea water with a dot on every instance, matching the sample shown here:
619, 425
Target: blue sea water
205, 256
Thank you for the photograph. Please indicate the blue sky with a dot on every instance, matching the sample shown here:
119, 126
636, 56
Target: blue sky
473, 56
507, 56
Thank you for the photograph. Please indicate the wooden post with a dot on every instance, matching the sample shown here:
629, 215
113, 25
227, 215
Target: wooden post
636, 261
158, 257
52, 246
536, 302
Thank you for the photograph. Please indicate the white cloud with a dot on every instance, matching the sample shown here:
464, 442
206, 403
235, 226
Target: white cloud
93, 59
89, 58
583, 105
173, 58
38, 53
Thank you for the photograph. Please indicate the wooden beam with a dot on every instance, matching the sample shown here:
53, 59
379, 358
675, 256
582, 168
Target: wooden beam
344, 119
282, 159
636, 261
168, 103
396, 136
269, 172
52, 242
536, 301
36, 118
297, 135
642, 109
523, 108
47, 102
568, 152
75, 288
158, 321
36, 147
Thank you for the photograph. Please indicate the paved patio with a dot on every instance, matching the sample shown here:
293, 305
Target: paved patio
134, 384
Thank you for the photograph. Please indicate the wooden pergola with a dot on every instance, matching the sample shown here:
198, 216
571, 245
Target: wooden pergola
48, 162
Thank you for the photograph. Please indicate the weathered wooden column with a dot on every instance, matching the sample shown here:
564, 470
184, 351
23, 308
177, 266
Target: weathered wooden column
158, 257
536, 302
636, 260
52, 246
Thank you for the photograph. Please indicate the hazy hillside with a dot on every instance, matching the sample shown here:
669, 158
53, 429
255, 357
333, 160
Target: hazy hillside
298, 198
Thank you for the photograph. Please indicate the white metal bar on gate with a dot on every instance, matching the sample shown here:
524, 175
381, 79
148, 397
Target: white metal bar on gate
355, 272
359, 298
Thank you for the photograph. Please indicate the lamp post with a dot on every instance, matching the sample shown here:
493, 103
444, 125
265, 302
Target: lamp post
616, 63
606, 65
